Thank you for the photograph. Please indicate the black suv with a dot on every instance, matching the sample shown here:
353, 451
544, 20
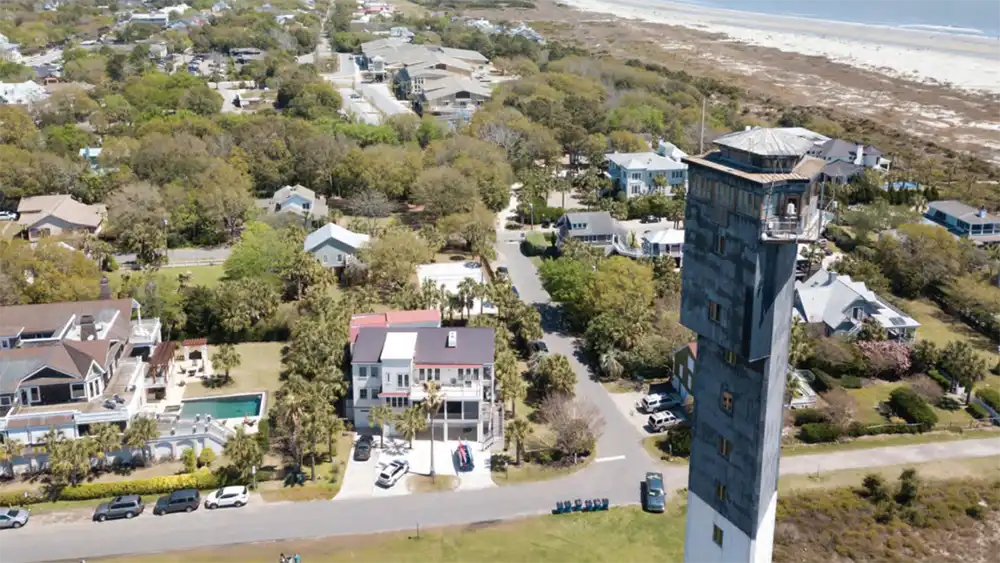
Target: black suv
127, 506
186, 500
363, 449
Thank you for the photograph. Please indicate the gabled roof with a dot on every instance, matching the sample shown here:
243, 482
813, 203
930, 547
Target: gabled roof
597, 223
828, 298
335, 232
842, 169
63, 207
766, 141
840, 149
287, 192
449, 85
394, 319
644, 161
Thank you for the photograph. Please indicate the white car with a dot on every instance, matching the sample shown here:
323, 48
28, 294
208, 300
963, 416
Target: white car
8, 216
393, 472
227, 496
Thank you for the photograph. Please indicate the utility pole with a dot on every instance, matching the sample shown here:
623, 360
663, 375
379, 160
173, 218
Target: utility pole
701, 140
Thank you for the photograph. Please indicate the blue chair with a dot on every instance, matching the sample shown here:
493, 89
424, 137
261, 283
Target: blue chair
588, 505
578, 505
604, 504
567, 506
558, 509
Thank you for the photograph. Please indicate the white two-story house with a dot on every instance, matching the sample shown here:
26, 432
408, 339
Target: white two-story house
390, 366
636, 173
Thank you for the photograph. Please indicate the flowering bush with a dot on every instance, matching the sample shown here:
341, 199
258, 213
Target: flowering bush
886, 359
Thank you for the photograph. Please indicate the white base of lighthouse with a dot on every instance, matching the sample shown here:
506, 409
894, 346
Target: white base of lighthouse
737, 547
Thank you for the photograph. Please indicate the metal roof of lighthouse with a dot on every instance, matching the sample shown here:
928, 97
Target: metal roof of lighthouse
766, 142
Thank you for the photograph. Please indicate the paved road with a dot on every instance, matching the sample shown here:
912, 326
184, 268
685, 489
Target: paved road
615, 474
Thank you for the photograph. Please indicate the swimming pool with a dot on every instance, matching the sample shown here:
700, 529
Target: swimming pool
230, 406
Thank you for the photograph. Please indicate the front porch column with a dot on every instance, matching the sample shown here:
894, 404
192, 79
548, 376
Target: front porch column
445, 406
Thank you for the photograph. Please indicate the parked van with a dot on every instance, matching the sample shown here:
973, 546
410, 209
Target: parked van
656, 402
660, 421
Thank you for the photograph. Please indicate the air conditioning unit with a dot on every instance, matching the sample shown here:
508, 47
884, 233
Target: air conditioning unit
452, 338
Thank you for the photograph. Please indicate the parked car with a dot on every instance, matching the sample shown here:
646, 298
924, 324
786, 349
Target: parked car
13, 517
185, 500
393, 473
363, 449
228, 496
650, 219
654, 500
660, 421
128, 506
657, 402
538, 347
502, 271
8, 216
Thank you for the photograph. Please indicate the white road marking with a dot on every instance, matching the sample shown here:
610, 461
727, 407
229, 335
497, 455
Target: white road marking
612, 458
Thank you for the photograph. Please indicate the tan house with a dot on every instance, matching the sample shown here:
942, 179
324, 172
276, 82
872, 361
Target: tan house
452, 96
56, 215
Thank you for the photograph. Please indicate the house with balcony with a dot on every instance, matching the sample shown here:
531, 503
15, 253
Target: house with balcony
963, 220
596, 228
390, 366
70, 365
645, 173
664, 243
838, 305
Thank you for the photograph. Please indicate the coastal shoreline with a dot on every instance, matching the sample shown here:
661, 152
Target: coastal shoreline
964, 62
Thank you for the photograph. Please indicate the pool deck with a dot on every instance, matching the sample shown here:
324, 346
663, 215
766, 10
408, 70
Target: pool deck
248, 422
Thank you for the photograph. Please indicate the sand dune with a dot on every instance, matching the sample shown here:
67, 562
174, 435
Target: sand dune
962, 61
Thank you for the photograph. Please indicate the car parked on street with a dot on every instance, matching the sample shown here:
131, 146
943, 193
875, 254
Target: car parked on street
185, 500
502, 271
650, 219
363, 449
538, 347
227, 496
393, 473
128, 507
654, 499
8, 216
13, 517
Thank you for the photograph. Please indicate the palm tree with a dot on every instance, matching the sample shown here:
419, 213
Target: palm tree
289, 414
793, 387
107, 438
380, 416
430, 295
610, 365
140, 431
467, 290
432, 404
226, 358
411, 422
9, 449
519, 430
69, 460
243, 453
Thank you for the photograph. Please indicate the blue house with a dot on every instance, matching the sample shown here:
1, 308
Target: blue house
299, 200
977, 225
334, 246
635, 173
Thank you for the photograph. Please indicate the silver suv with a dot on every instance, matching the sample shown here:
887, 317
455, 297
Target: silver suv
128, 506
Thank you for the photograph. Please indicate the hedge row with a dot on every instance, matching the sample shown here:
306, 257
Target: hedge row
941, 380
991, 397
856, 429
851, 382
977, 411
912, 407
156, 485
816, 432
809, 416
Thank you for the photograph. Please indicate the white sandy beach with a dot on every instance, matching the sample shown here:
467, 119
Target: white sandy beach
964, 62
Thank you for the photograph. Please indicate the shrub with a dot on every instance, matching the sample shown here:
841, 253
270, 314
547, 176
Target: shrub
206, 457
941, 380
875, 488
823, 381
856, 429
809, 416
927, 388
156, 485
991, 397
949, 404
679, 441
818, 432
189, 460
886, 359
976, 511
851, 382
977, 411
912, 408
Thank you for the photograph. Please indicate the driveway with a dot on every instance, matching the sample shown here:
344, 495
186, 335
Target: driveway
187, 256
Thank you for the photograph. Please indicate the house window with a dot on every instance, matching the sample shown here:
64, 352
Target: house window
727, 401
475, 374
363, 372
730, 357
858, 314
720, 245
717, 535
421, 376
5, 401
77, 391
340, 258
714, 311
306, 206
325, 259
720, 491
636, 175
725, 447
363, 394
437, 374
399, 380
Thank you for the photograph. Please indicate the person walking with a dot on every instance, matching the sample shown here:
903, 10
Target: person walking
282, 558
297, 558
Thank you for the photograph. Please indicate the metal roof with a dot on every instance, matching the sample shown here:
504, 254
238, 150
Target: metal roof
766, 142
474, 345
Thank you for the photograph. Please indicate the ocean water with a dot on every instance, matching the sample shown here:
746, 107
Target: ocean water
968, 17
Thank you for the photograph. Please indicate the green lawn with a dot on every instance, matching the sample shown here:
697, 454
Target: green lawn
868, 397
259, 371
976, 467
208, 276
620, 534
657, 448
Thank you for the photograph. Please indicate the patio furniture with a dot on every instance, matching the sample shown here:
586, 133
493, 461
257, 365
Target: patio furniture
577, 505
588, 505
604, 504
558, 509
